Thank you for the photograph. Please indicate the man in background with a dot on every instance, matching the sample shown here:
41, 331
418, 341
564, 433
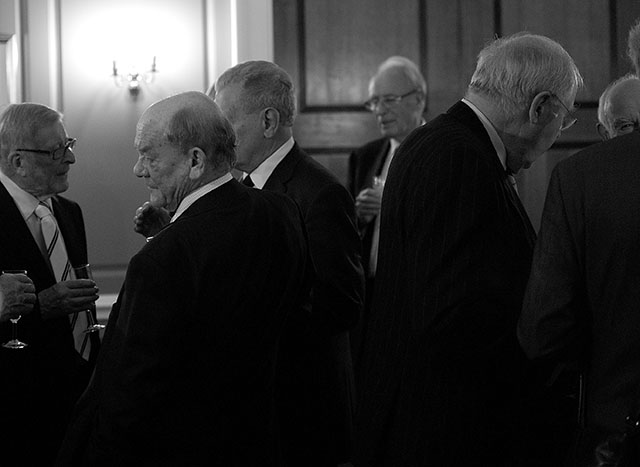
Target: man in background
397, 99
42, 381
443, 375
186, 373
619, 107
315, 374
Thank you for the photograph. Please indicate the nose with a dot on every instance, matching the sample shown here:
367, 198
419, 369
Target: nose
69, 156
139, 170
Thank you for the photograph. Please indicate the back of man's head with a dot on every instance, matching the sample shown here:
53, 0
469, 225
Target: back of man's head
264, 84
619, 107
512, 70
192, 119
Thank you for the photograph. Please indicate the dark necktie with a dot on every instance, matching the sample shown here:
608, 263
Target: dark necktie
247, 181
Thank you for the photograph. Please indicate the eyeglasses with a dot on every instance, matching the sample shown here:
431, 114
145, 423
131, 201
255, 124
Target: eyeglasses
388, 100
569, 119
57, 153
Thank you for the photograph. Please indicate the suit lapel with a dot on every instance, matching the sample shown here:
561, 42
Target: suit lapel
283, 172
18, 245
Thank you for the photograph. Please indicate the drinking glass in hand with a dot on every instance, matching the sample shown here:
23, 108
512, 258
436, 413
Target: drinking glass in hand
84, 272
14, 343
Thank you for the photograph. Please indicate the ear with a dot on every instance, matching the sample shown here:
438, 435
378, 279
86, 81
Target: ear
602, 131
16, 162
270, 119
198, 162
542, 109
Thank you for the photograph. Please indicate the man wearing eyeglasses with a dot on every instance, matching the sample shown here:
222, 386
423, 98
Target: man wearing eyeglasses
397, 99
444, 379
619, 107
41, 382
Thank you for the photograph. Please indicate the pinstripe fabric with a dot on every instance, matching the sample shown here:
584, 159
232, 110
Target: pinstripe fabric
441, 369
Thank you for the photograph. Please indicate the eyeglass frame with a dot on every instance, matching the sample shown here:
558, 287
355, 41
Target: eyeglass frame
387, 100
570, 114
68, 146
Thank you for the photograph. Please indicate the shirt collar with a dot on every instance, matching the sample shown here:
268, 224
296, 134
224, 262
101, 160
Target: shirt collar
26, 202
262, 173
498, 145
199, 193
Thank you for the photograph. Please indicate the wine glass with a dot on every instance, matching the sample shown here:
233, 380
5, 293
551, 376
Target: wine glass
84, 272
14, 343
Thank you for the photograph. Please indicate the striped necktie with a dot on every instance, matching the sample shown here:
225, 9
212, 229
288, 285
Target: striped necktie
59, 262
56, 251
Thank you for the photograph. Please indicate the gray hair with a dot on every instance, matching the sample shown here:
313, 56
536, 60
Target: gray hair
264, 84
605, 116
198, 122
633, 46
513, 70
409, 69
20, 123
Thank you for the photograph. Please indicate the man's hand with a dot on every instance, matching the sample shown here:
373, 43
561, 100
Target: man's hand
17, 296
368, 204
149, 220
67, 297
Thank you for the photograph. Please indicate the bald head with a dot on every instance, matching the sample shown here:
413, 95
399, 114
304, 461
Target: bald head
619, 107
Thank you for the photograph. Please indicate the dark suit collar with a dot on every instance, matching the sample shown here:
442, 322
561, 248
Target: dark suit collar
220, 197
283, 172
465, 115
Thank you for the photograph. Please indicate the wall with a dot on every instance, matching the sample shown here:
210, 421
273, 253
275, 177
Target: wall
332, 47
69, 48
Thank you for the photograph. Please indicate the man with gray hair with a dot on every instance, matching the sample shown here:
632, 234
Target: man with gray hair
443, 374
42, 233
315, 377
397, 99
619, 107
186, 372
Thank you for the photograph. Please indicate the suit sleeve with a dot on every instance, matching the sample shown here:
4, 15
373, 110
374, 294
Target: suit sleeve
335, 250
551, 321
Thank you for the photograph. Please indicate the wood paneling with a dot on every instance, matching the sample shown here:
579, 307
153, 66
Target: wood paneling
581, 26
456, 31
331, 48
344, 42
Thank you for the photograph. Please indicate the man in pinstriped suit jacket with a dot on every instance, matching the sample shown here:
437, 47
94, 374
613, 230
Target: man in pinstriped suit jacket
442, 372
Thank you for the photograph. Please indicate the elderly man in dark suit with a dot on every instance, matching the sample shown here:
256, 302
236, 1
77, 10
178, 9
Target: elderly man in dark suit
397, 99
583, 297
42, 381
315, 375
186, 374
442, 370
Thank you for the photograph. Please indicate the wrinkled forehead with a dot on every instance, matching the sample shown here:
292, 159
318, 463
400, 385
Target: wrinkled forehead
390, 81
150, 130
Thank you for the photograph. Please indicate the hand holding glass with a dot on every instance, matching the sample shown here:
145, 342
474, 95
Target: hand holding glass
84, 272
14, 343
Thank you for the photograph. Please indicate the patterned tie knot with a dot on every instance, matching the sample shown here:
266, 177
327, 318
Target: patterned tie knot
43, 211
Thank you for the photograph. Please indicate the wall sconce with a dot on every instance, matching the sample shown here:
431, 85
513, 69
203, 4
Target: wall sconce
132, 78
